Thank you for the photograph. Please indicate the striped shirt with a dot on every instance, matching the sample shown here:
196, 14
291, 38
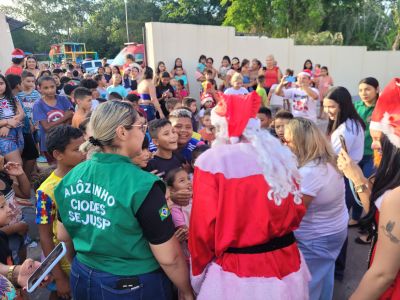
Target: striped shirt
7, 109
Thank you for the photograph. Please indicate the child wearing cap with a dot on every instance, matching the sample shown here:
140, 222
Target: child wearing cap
207, 101
17, 58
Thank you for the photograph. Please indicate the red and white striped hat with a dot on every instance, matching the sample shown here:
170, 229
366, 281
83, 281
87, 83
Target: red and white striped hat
386, 115
17, 53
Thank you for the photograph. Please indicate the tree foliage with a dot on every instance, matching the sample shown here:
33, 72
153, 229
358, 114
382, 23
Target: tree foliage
101, 23
208, 12
358, 22
275, 18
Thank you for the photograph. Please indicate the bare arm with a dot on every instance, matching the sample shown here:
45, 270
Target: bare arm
46, 241
386, 263
20, 112
353, 172
307, 200
279, 75
47, 244
279, 88
154, 100
48, 125
171, 260
63, 235
23, 188
311, 93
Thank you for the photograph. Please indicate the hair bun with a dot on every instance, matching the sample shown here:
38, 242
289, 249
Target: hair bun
95, 142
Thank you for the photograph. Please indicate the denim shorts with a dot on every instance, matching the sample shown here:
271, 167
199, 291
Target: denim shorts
14, 141
91, 284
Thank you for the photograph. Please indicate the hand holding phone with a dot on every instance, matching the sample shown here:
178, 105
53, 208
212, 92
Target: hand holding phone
45, 268
290, 79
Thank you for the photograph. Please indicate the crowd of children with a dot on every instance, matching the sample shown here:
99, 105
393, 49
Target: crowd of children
46, 115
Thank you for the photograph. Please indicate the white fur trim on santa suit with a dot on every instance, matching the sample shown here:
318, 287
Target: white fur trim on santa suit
217, 284
280, 172
387, 129
375, 126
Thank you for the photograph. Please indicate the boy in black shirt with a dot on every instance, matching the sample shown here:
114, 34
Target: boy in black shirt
166, 140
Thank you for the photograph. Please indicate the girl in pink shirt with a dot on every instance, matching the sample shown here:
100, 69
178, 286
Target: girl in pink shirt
324, 83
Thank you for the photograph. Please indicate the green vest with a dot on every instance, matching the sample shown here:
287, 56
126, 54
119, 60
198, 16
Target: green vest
365, 113
98, 202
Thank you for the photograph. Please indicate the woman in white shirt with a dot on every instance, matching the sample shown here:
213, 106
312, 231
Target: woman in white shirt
323, 229
344, 121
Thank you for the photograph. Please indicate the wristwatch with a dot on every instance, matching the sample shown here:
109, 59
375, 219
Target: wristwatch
361, 188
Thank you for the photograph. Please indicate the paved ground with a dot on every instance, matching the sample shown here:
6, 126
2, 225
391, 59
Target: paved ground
357, 256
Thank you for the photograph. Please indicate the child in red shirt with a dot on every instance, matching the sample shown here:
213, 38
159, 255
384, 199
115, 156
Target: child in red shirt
208, 131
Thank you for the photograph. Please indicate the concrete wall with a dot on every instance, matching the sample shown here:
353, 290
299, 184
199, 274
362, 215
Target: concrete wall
7, 45
347, 64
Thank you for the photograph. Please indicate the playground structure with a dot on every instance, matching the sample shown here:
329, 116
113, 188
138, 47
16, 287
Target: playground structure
70, 52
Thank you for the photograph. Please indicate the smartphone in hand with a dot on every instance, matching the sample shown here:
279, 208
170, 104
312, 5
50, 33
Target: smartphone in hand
343, 142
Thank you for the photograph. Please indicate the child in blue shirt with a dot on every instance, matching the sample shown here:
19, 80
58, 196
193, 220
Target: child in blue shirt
117, 86
202, 64
50, 111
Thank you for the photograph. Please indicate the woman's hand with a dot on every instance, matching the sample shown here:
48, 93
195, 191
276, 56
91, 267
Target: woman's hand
13, 169
283, 80
4, 131
349, 168
26, 270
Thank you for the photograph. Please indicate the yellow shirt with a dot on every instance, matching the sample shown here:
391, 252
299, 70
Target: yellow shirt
46, 210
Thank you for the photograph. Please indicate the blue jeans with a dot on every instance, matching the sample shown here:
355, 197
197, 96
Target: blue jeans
367, 167
320, 255
91, 284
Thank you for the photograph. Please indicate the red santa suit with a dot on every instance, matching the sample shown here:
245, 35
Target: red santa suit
246, 204
386, 118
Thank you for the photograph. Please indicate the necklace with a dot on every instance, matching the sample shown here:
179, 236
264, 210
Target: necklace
2, 97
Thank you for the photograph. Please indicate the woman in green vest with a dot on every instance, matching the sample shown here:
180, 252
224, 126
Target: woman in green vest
368, 90
117, 217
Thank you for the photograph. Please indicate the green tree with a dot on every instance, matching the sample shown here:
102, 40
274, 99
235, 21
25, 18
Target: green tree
105, 31
362, 22
207, 12
275, 18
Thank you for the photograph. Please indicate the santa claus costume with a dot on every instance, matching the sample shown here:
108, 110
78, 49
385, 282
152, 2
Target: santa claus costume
386, 118
246, 204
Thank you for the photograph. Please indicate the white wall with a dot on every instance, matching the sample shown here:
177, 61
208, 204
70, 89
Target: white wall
347, 64
7, 45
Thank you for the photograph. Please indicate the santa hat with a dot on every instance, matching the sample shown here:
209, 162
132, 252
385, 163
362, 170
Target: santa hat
386, 115
206, 97
305, 72
17, 53
235, 116
238, 110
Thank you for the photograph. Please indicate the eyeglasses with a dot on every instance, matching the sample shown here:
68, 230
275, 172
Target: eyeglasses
142, 127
